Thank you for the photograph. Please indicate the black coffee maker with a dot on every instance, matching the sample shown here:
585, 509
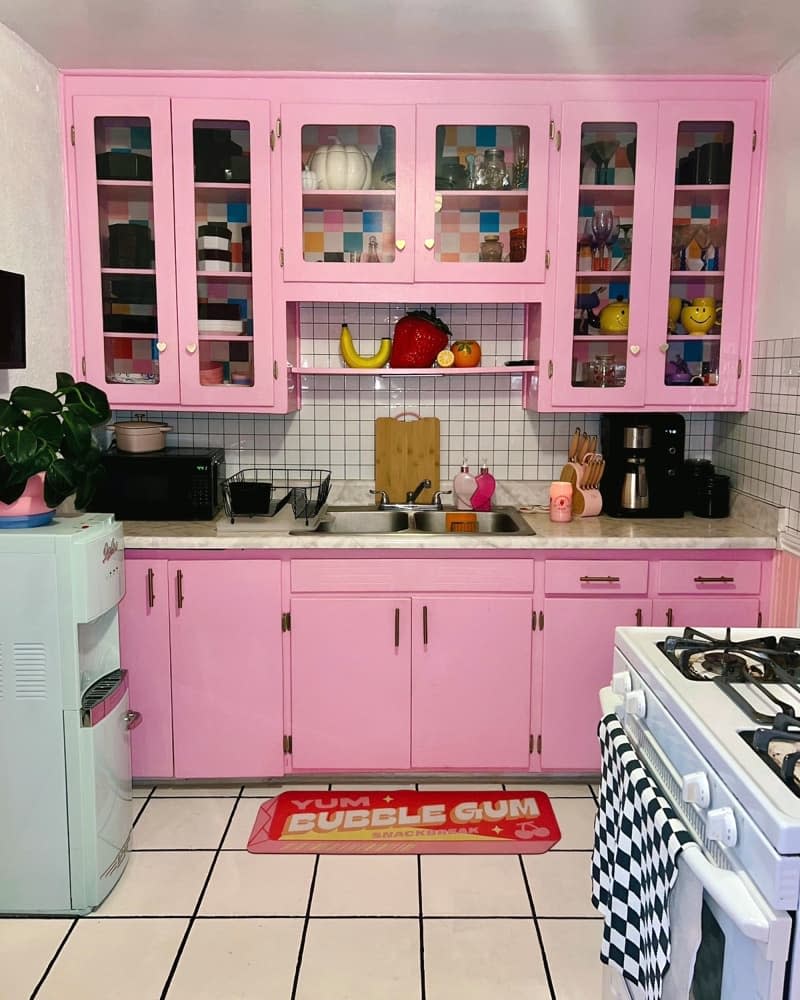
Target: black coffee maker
644, 464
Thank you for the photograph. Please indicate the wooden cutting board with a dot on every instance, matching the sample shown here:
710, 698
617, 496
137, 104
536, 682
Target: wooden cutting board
406, 452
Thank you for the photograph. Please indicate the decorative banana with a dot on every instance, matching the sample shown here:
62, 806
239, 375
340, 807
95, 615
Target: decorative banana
354, 360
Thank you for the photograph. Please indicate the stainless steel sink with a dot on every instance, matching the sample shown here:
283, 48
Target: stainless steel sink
507, 521
362, 521
372, 521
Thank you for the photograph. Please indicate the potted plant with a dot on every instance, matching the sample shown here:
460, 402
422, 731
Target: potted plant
47, 436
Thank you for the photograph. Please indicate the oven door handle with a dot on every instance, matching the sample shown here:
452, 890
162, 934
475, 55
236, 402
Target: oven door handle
727, 888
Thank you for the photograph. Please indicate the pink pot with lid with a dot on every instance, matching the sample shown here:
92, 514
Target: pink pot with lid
140, 435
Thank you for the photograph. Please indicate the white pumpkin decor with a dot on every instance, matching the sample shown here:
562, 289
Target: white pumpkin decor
342, 168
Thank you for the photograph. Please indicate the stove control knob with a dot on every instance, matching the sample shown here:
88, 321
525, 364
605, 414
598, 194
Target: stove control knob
621, 682
694, 788
635, 704
721, 826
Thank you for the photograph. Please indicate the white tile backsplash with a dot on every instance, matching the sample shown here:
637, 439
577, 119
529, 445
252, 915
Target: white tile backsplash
481, 415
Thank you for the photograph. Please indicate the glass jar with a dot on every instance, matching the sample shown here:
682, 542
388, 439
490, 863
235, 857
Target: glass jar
495, 173
519, 241
604, 370
491, 248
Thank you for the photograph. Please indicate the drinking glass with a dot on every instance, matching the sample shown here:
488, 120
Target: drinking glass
602, 225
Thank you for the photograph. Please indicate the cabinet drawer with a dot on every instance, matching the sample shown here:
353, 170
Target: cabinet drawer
604, 576
706, 577
415, 575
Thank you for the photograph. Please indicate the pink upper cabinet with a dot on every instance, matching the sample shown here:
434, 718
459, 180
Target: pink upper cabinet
701, 246
481, 182
608, 166
348, 192
222, 239
125, 241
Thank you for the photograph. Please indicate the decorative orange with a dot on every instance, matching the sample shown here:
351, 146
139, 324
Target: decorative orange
467, 352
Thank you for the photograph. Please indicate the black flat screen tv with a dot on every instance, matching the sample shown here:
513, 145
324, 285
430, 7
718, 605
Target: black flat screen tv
12, 320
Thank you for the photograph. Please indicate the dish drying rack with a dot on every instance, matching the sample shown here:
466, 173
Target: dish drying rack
274, 499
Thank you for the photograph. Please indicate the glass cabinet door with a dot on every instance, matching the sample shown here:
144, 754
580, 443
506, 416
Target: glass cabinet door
347, 192
481, 193
700, 247
221, 236
125, 227
605, 212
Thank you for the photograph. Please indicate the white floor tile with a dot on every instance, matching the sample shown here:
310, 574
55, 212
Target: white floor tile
268, 791
573, 955
461, 786
360, 960
142, 791
560, 882
158, 884
366, 886
476, 959
259, 885
576, 822
181, 823
26, 947
556, 790
242, 824
196, 791
114, 960
238, 960
473, 885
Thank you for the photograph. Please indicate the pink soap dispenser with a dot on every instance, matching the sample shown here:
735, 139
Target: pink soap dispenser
484, 490
464, 487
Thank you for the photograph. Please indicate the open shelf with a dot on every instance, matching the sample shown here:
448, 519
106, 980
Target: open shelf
694, 336
693, 188
479, 370
121, 335
601, 275
132, 271
697, 275
229, 337
614, 337
225, 275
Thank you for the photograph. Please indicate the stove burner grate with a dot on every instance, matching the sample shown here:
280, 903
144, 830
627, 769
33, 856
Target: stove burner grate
780, 750
764, 659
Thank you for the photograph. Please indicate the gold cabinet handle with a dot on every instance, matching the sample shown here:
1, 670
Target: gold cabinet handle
429, 244
151, 594
400, 244
669, 617
396, 628
638, 616
425, 624
713, 579
599, 579
179, 582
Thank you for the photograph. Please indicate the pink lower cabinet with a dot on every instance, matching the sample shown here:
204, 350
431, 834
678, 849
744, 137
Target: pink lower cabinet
144, 644
471, 682
706, 612
351, 683
586, 600
227, 684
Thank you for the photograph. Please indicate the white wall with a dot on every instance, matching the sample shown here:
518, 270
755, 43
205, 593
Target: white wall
32, 230
777, 313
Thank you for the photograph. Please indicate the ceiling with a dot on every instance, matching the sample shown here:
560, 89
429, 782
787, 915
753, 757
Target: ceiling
413, 36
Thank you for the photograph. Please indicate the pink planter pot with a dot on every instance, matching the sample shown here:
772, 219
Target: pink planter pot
31, 503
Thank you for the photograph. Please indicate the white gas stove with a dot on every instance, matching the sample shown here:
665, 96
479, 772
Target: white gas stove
714, 716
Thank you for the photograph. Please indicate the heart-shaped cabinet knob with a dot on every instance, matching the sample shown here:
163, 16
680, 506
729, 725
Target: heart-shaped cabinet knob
635, 349
191, 348
663, 348
161, 346
429, 244
400, 244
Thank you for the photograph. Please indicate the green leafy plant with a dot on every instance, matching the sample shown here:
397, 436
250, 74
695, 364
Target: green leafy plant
51, 432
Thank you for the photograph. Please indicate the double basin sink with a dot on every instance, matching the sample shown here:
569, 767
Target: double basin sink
373, 521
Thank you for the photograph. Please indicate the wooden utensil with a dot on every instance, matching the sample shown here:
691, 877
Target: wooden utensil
406, 452
573, 446
583, 448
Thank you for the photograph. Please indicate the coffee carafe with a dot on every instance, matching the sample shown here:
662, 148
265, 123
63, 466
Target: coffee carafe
635, 494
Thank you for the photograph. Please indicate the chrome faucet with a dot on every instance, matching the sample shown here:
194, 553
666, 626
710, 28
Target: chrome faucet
411, 496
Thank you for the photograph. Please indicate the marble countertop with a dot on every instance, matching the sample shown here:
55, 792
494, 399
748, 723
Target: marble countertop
601, 532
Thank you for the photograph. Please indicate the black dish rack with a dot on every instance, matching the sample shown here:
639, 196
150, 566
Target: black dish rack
263, 492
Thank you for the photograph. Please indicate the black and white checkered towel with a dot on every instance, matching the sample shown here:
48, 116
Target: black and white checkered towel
637, 840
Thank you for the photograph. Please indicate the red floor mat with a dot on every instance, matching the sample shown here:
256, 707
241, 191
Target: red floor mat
403, 821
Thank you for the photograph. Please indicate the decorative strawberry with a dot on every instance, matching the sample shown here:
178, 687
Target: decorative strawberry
418, 338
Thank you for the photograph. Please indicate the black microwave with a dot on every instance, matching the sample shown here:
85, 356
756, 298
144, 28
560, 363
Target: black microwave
176, 484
